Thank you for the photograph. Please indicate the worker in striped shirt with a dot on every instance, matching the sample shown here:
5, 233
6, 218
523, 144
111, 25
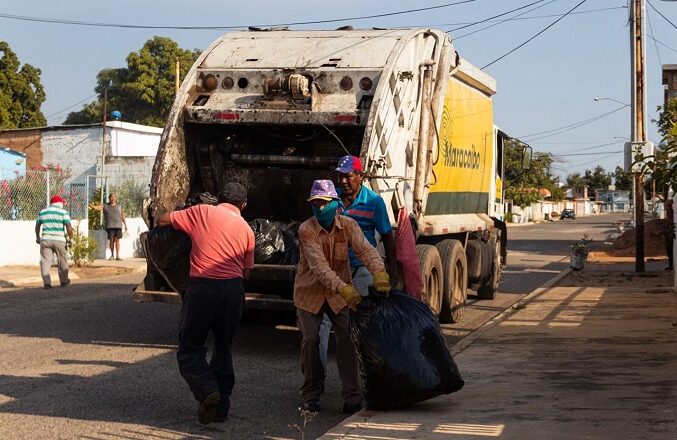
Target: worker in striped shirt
55, 223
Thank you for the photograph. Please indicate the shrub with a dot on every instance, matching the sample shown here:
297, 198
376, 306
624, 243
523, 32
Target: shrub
83, 249
582, 246
508, 217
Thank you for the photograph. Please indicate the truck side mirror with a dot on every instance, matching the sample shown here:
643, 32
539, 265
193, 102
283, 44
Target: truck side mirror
526, 157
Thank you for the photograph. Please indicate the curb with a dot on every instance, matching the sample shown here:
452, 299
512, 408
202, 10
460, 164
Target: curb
481, 330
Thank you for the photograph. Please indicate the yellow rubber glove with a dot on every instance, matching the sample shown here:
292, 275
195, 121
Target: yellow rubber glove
382, 282
351, 295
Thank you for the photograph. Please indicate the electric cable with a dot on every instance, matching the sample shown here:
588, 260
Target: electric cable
663, 44
588, 154
70, 107
651, 34
565, 128
129, 26
534, 36
503, 21
659, 13
494, 16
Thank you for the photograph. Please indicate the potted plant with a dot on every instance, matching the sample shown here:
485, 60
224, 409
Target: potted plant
579, 252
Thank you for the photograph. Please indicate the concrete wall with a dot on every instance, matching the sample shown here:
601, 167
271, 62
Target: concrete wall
122, 168
77, 149
19, 246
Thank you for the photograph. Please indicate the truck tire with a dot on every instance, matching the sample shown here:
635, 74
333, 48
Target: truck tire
431, 274
473, 256
454, 280
489, 288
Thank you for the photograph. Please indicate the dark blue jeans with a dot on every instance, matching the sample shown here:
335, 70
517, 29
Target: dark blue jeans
216, 306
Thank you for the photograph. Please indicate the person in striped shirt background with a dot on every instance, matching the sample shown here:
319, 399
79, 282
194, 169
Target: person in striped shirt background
55, 223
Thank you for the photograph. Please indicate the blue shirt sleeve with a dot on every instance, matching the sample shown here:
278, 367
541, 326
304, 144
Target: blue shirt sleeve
381, 221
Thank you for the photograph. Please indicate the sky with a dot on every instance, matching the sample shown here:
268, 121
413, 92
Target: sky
546, 88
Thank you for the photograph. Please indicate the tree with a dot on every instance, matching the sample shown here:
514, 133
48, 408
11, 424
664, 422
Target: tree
144, 90
21, 92
522, 185
663, 164
575, 180
598, 178
622, 179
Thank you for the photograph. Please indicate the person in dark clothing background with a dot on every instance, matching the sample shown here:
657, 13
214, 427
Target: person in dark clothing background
221, 257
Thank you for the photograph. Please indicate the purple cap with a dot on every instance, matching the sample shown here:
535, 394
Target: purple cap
323, 190
348, 164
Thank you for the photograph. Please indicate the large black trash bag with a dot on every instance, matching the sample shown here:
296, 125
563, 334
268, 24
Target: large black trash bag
269, 242
402, 353
169, 250
275, 242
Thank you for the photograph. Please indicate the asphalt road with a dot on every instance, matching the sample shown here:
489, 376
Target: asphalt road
85, 362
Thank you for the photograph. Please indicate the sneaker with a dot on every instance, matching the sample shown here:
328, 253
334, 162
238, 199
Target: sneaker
352, 408
311, 405
65, 283
206, 412
48, 286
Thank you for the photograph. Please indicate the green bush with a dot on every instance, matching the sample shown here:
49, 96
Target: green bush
508, 217
83, 249
131, 195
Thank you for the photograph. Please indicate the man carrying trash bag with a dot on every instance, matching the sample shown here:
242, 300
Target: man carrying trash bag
323, 285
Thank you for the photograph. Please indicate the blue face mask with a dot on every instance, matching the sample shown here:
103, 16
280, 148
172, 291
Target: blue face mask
325, 216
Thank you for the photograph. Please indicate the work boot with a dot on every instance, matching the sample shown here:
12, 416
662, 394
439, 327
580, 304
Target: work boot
48, 286
65, 283
206, 412
352, 408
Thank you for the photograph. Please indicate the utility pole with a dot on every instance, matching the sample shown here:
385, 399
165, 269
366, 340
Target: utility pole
103, 145
638, 112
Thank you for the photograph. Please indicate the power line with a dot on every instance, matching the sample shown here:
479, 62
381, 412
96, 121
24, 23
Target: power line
648, 19
594, 147
503, 21
569, 127
588, 154
536, 35
70, 107
593, 161
130, 26
516, 18
659, 13
495, 16
663, 44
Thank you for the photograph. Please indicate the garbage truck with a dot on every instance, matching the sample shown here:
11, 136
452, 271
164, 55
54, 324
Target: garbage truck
274, 109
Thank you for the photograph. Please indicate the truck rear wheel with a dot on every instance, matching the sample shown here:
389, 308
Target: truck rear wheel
489, 288
431, 274
454, 280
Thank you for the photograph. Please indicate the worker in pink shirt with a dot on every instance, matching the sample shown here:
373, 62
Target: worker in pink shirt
221, 257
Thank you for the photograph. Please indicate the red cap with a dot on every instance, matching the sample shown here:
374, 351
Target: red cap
57, 199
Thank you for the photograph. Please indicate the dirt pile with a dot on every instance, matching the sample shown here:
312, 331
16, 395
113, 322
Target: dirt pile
624, 244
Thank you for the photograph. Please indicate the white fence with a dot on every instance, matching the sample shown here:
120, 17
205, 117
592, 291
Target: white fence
19, 246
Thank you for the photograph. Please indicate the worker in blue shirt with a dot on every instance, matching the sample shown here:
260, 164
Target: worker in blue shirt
369, 211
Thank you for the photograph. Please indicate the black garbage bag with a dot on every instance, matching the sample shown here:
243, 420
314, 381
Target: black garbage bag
402, 353
269, 242
169, 251
275, 242
290, 233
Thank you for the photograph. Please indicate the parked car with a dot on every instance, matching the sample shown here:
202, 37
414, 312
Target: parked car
567, 213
